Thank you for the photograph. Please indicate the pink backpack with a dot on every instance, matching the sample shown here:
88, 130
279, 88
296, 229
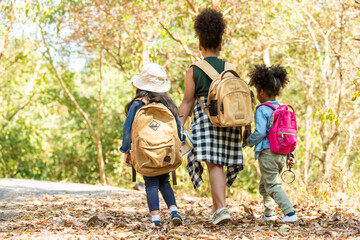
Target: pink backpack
283, 131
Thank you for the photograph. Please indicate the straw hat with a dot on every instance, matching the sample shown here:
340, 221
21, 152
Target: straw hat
152, 78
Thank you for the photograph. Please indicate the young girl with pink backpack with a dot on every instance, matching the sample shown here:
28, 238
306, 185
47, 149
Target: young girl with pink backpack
274, 139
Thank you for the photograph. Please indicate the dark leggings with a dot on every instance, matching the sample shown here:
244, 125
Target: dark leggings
152, 187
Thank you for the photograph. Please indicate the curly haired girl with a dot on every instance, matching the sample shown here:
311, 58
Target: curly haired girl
268, 81
216, 146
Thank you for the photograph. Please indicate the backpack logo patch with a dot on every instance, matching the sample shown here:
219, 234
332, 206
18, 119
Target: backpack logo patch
154, 125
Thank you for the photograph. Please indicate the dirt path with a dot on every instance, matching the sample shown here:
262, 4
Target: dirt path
44, 210
26, 190
14, 190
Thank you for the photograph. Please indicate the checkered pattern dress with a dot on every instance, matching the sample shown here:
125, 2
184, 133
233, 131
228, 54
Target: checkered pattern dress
213, 144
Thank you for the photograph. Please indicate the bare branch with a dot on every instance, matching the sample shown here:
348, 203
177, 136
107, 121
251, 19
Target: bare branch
67, 92
116, 59
192, 7
215, 4
187, 50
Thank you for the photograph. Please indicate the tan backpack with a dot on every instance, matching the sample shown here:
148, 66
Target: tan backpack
155, 147
230, 102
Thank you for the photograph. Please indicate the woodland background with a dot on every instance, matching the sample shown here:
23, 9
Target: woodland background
66, 64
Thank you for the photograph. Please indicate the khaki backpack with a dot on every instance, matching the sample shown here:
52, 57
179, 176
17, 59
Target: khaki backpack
230, 102
155, 147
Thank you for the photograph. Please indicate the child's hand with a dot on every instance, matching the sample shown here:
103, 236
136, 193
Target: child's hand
246, 134
127, 159
290, 161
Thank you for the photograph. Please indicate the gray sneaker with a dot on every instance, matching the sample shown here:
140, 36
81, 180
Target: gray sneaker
211, 217
176, 218
222, 217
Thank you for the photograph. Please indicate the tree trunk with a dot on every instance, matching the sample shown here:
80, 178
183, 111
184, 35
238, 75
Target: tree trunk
325, 149
100, 161
308, 128
98, 139
95, 136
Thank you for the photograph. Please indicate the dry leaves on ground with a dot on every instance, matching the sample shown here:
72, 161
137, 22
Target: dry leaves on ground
127, 217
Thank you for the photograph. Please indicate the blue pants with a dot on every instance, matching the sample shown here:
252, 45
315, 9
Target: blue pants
152, 187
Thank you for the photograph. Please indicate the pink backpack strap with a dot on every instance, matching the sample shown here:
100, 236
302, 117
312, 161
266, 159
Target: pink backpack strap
266, 104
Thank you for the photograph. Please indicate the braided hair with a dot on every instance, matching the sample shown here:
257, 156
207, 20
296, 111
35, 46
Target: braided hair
209, 27
269, 79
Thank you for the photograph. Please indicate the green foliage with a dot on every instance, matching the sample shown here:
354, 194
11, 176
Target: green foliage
328, 115
357, 90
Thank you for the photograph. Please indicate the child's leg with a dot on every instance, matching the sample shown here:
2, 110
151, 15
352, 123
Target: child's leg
269, 202
271, 165
218, 185
152, 194
166, 190
169, 197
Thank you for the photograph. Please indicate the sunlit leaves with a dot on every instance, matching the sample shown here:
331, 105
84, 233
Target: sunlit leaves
357, 89
328, 115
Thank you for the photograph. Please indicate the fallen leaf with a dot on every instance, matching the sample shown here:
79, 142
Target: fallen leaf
97, 221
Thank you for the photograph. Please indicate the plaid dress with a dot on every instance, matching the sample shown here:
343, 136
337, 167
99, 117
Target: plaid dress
213, 144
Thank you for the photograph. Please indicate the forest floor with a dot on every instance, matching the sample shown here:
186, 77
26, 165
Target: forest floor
43, 210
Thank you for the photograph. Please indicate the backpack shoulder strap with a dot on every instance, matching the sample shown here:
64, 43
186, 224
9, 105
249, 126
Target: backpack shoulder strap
266, 104
212, 73
229, 66
202, 105
207, 69
133, 173
145, 100
173, 176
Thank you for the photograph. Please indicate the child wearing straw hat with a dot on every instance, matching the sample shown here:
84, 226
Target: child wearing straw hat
152, 83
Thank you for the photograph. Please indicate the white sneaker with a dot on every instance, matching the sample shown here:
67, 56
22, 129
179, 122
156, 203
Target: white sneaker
292, 218
211, 217
271, 218
222, 217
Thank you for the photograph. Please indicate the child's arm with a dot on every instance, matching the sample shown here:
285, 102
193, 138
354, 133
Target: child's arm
127, 159
126, 140
181, 135
260, 129
290, 161
188, 101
